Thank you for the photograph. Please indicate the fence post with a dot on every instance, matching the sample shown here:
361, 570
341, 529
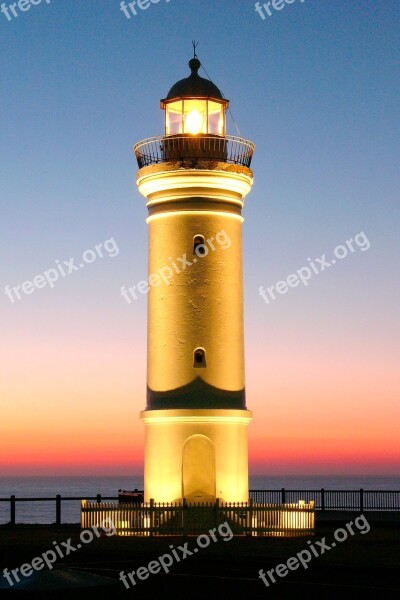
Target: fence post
12, 510
98, 498
216, 523
151, 516
283, 496
361, 500
58, 509
184, 516
250, 513
322, 499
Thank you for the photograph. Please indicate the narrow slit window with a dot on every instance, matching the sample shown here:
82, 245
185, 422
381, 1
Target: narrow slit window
199, 247
199, 358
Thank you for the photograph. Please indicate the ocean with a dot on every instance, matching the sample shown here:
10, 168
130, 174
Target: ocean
83, 487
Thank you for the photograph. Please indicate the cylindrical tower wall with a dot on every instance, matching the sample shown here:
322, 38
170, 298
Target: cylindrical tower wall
196, 302
196, 418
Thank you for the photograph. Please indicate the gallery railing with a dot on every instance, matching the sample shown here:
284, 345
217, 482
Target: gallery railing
230, 149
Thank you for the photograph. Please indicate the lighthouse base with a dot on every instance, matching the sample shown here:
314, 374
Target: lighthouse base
199, 455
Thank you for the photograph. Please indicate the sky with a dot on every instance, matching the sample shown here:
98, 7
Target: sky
315, 86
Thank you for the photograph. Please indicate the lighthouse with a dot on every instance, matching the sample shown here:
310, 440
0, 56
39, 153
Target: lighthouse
195, 178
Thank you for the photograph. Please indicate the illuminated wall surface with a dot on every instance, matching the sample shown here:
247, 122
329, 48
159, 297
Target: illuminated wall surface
197, 446
197, 454
201, 308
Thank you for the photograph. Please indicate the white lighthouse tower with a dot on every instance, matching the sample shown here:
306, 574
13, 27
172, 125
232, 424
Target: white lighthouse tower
195, 178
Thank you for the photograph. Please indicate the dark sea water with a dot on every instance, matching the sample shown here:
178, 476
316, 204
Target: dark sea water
83, 487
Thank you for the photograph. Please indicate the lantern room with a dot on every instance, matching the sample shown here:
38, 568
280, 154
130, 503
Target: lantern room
195, 106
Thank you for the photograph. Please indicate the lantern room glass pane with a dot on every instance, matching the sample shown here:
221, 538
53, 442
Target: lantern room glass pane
173, 123
216, 118
195, 116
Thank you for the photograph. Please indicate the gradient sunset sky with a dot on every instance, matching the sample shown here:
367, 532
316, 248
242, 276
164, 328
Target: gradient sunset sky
316, 87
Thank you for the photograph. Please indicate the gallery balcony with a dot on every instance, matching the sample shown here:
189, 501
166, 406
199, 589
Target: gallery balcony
194, 149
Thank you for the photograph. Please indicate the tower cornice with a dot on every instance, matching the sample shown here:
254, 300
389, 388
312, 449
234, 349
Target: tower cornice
218, 188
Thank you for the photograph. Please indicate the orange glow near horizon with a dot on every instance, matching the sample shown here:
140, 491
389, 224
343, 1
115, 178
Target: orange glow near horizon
75, 408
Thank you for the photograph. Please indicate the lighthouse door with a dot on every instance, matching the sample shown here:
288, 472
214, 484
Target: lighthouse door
198, 469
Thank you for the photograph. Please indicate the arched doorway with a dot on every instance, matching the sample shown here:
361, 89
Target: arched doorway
198, 469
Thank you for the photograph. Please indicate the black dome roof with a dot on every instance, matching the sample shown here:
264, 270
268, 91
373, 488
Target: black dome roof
194, 85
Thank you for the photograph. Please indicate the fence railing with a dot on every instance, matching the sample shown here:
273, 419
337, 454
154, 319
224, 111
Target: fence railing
160, 519
354, 500
230, 149
55, 500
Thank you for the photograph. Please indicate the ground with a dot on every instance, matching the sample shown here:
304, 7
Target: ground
363, 565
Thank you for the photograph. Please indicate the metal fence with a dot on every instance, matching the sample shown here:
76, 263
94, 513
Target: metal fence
160, 519
230, 149
351, 500
355, 500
